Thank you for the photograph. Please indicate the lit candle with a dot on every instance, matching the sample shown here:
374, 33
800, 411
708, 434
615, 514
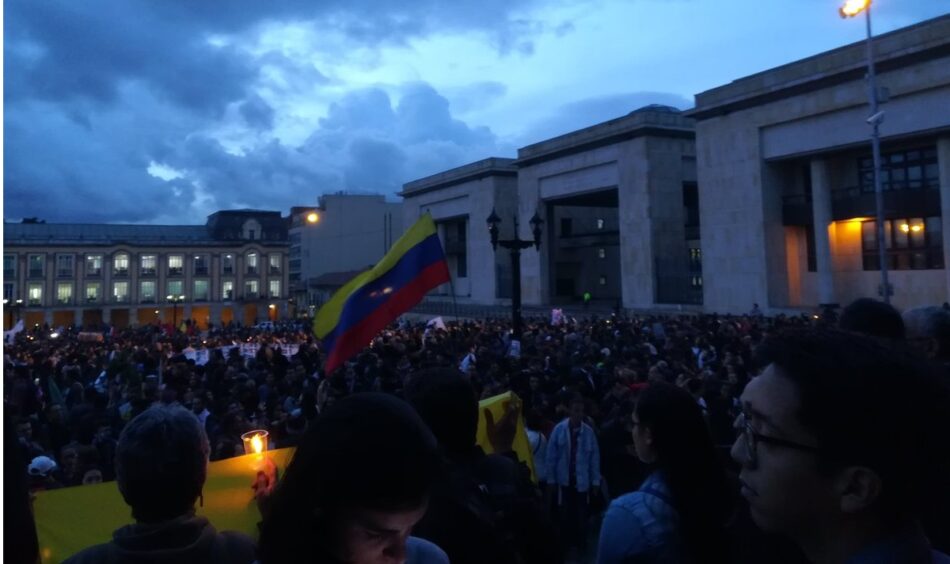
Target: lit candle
255, 442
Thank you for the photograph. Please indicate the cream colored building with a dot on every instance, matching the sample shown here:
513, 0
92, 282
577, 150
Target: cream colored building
235, 267
786, 178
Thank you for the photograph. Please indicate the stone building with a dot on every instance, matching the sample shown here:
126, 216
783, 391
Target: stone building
235, 267
343, 233
620, 209
618, 200
786, 176
460, 200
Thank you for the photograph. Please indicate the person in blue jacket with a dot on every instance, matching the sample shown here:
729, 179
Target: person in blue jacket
573, 472
680, 512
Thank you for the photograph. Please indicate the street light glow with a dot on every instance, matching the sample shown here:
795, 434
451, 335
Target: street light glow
313, 217
852, 8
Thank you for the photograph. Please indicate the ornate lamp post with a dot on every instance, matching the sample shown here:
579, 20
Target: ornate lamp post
515, 246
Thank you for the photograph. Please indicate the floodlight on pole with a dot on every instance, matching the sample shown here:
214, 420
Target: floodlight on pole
850, 9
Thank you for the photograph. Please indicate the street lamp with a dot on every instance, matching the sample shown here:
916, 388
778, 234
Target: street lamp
175, 300
515, 246
850, 9
13, 307
313, 217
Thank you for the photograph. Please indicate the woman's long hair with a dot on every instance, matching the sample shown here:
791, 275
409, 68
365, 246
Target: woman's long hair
367, 451
690, 467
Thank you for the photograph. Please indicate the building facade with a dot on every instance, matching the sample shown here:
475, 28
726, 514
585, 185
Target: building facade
787, 185
343, 233
460, 201
615, 200
233, 268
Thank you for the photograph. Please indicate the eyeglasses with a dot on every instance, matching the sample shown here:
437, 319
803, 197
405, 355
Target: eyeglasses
753, 438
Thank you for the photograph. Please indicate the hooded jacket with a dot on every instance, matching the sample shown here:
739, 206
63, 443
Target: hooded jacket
184, 540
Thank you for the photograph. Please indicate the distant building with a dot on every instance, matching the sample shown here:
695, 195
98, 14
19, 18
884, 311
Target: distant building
235, 267
787, 186
343, 233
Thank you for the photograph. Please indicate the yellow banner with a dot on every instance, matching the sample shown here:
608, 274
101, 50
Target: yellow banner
71, 519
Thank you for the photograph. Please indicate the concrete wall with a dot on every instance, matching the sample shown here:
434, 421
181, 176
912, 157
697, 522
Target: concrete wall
744, 242
586, 172
357, 224
577, 257
472, 200
648, 173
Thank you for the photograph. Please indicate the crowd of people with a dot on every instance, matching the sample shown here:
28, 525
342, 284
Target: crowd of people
693, 438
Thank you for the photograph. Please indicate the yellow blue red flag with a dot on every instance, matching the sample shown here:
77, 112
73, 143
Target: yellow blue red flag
372, 300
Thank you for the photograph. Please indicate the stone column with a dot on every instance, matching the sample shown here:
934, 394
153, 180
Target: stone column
77, 317
107, 315
821, 216
133, 315
943, 167
48, 316
185, 313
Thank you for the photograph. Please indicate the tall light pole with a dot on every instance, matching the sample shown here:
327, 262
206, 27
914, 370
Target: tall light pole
850, 9
515, 245
175, 300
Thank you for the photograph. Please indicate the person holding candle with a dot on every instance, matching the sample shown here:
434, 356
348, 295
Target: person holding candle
358, 483
161, 464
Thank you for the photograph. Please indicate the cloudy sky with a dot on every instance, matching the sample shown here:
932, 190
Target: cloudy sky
148, 111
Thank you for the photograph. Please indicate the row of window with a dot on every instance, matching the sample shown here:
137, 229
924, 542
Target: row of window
915, 169
148, 292
567, 226
914, 243
148, 265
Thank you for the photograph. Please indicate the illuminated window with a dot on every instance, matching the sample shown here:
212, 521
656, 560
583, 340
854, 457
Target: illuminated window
120, 292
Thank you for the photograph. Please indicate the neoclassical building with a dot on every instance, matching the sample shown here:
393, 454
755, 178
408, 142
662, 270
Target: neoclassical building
235, 267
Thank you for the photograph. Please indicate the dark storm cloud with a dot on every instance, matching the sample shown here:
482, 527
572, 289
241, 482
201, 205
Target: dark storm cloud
382, 145
60, 170
591, 111
257, 113
86, 82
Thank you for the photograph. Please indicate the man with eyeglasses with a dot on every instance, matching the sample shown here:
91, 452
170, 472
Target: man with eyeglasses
844, 448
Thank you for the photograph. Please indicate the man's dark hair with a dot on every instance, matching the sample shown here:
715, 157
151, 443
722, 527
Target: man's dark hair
367, 451
871, 405
446, 402
161, 463
872, 317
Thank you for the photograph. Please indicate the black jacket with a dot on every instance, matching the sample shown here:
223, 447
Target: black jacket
185, 540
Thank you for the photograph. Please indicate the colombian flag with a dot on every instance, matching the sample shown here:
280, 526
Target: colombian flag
372, 300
